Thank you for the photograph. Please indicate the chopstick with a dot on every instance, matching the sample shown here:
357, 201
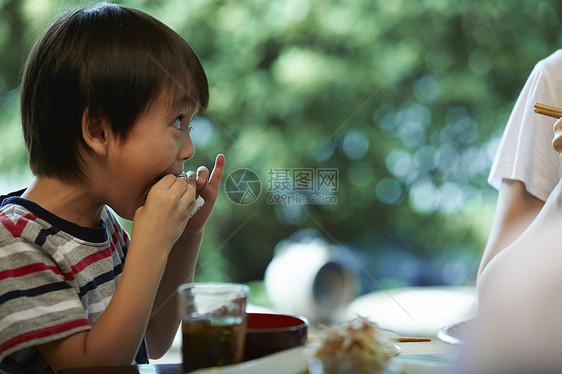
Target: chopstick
548, 110
397, 339
409, 339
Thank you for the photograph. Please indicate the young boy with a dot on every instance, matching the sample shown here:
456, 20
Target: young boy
107, 96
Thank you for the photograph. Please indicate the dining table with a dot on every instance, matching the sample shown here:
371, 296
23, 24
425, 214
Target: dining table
414, 358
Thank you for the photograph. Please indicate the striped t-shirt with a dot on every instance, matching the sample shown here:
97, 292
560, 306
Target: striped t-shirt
56, 279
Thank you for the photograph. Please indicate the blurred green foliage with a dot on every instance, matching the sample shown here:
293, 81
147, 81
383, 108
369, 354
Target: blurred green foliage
407, 99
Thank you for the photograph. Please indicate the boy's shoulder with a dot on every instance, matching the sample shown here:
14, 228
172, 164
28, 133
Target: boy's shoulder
29, 234
15, 219
22, 219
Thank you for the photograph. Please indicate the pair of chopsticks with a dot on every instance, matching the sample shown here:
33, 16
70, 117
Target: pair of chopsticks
548, 110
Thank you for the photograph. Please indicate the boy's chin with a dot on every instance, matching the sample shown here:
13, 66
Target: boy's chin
125, 215
128, 217
129, 212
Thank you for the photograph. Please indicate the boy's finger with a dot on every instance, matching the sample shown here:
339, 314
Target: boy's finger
218, 171
202, 174
186, 178
191, 186
167, 181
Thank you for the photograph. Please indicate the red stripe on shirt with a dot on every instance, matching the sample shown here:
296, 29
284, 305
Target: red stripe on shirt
28, 269
93, 258
121, 231
41, 333
16, 228
98, 256
88, 260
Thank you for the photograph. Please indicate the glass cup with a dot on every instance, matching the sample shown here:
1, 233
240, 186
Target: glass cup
213, 324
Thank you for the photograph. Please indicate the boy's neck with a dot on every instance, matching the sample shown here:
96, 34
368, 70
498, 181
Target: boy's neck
67, 200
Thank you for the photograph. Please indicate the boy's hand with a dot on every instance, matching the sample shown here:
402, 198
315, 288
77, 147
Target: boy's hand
208, 188
162, 219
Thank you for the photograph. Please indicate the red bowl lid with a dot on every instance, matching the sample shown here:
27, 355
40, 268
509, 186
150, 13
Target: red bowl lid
275, 322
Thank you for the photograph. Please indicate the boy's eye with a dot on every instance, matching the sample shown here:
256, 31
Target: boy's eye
178, 122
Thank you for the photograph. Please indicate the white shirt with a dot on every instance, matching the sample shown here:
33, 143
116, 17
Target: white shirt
525, 152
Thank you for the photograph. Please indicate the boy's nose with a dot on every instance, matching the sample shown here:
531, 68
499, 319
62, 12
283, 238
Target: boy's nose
187, 151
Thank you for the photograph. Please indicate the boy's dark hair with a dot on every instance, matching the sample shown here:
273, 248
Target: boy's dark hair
110, 59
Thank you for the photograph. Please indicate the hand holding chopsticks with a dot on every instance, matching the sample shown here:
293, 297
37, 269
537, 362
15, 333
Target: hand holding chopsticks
548, 110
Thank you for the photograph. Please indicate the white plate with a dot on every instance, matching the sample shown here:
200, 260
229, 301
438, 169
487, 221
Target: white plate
455, 333
290, 361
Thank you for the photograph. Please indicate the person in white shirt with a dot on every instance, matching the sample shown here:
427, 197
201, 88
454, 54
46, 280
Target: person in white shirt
526, 169
518, 327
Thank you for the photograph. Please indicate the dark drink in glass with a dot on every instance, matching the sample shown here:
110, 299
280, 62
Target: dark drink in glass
213, 324
212, 343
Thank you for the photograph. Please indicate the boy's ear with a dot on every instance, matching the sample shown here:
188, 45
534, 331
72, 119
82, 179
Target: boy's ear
96, 131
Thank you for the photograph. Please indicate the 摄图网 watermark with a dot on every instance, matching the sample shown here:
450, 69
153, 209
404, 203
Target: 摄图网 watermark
286, 186
298, 199
302, 186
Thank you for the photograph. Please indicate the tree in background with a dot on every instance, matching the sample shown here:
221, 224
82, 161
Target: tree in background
405, 99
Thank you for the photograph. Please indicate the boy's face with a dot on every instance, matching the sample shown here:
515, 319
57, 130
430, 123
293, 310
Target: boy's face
158, 144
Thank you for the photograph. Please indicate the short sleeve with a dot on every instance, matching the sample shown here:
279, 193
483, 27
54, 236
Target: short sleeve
525, 152
37, 301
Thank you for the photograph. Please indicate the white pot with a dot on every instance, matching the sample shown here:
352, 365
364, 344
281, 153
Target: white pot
304, 279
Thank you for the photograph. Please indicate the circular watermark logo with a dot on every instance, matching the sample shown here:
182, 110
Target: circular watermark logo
242, 186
